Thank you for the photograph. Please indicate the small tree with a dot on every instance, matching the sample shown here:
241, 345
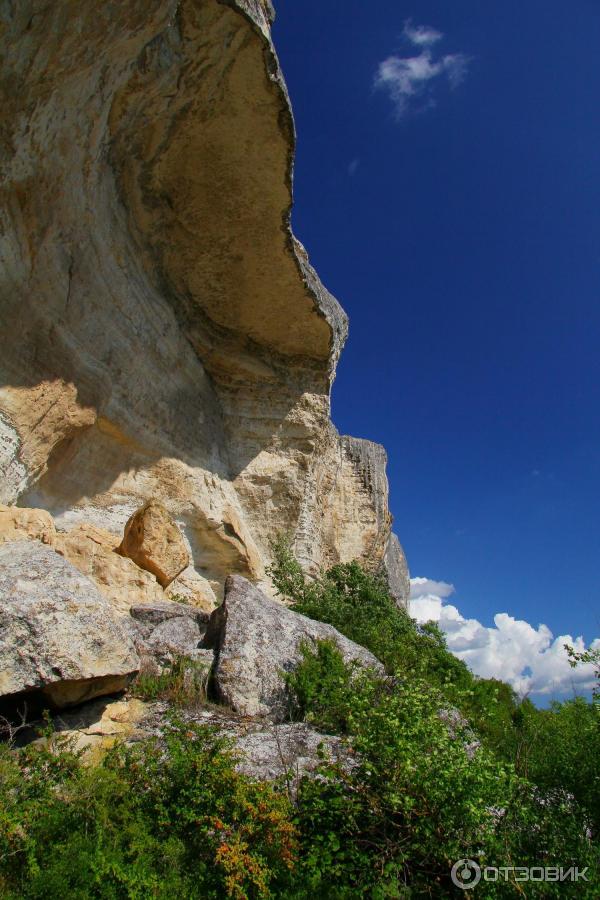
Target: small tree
587, 656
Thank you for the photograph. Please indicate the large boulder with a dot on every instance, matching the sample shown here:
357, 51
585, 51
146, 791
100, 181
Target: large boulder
155, 543
22, 524
57, 632
257, 640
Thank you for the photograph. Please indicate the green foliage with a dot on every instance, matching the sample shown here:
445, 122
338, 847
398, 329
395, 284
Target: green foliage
559, 748
538, 767
164, 819
183, 683
420, 796
172, 818
587, 657
322, 687
359, 605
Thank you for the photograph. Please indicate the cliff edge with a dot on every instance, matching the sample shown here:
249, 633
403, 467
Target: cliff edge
165, 336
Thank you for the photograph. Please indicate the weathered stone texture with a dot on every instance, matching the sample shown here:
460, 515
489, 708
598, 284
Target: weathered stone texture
174, 342
153, 541
57, 633
256, 640
18, 524
396, 569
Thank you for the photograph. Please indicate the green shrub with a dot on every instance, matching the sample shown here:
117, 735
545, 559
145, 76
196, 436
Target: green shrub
359, 605
183, 683
166, 819
420, 796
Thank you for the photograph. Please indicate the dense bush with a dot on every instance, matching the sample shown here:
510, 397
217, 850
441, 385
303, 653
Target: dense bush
168, 820
537, 767
421, 796
172, 818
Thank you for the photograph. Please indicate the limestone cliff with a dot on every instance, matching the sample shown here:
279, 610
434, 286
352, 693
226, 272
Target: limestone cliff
164, 335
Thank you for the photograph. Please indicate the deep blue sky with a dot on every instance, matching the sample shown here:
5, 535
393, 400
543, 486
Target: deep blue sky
466, 250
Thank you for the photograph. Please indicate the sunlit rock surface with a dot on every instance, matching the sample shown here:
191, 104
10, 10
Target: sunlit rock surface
165, 336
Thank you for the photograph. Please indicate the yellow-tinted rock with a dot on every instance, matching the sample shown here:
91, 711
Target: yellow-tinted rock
154, 542
22, 524
93, 551
174, 342
98, 725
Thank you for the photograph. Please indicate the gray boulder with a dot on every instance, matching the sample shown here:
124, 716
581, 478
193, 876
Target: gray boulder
153, 614
166, 630
256, 640
58, 634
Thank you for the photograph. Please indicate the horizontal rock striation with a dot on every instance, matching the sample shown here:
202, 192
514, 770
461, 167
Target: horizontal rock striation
166, 337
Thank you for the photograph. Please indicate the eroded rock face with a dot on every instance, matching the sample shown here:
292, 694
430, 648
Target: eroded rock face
256, 640
58, 634
397, 572
93, 552
174, 342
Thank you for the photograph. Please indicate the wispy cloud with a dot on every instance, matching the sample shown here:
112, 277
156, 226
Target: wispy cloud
410, 80
353, 166
421, 35
530, 659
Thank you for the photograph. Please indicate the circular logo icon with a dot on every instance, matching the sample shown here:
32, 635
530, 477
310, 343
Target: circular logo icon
465, 874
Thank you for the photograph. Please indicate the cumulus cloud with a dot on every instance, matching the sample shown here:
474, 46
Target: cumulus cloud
530, 659
421, 586
409, 80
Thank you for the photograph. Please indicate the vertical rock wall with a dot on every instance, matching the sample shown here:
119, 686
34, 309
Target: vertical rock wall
164, 335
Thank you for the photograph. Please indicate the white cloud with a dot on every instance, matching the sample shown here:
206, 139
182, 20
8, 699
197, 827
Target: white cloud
420, 586
421, 35
531, 659
408, 79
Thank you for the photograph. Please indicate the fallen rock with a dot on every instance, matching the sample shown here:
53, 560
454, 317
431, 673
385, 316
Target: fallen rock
164, 631
93, 551
291, 750
18, 524
256, 640
58, 634
153, 614
191, 588
154, 542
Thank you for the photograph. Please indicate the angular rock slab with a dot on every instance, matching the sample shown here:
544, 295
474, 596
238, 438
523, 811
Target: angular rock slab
58, 634
257, 640
154, 542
